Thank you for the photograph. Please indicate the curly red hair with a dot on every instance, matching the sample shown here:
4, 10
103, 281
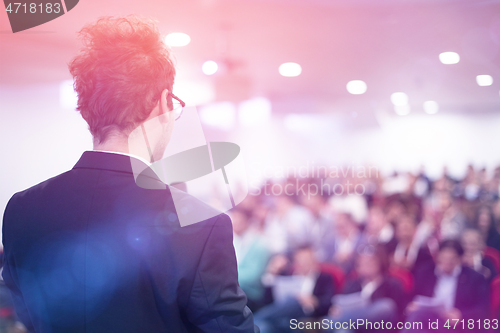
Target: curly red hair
120, 73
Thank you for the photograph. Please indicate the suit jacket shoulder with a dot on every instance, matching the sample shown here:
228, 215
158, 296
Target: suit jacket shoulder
91, 250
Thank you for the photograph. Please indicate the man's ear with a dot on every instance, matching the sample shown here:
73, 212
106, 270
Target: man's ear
164, 102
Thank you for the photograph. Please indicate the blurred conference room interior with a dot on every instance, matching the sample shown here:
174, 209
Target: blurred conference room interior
394, 104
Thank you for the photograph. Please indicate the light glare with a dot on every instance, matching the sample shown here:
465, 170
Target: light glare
290, 69
194, 92
356, 87
209, 67
68, 99
484, 80
399, 99
449, 58
254, 111
431, 107
220, 115
402, 110
177, 39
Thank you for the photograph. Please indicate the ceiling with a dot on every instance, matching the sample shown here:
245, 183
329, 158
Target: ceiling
391, 45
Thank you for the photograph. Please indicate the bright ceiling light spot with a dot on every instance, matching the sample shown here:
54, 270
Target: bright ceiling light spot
290, 69
209, 67
254, 111
220, 115
176, 39
431, 107
399, 99
356, 87
449, 58
68, 99
402, 110
484, 80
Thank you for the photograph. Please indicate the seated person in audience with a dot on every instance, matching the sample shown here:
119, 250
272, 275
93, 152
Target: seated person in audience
259, 214
485, 222
451, 221
473, 245
442, 220
305, 293
8, 320
251, 256
378, 228
321, 228
496, 209
372, 295
452, 291
288, 226
408, 253
341, 247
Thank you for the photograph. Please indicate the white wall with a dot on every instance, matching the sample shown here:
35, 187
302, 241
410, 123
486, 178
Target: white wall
38, 138
395, 143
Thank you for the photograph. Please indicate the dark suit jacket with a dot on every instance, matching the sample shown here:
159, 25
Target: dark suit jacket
486, 262
424, 263
389, 288
324, 289
90, 251
472, 294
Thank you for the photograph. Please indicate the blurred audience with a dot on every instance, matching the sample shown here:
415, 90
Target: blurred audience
9, 322
251, 255
408, 253
413, 218
288, 226
404, 237
378, 229
371, 293
485, 222
473, 245
342, 245
452, 291
307, 292
321, 231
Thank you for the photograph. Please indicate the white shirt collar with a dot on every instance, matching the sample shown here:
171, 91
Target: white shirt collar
456, 272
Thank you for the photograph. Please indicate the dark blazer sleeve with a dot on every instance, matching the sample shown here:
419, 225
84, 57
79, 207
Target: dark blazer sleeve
324, 291
9, 272
217, 303
473, 296
395, 291
352, 286
487, 263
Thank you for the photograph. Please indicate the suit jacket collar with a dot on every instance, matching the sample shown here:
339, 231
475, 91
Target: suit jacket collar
106, 161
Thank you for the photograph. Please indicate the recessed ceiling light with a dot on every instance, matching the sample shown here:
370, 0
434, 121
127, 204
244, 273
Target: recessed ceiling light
356, 87
177, 39
399, 99
484, 80
449, 58
431, 107
209, 67
290, 69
